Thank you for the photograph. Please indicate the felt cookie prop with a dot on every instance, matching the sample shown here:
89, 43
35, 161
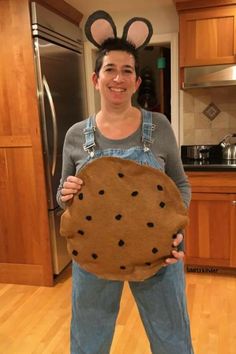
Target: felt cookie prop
121, 225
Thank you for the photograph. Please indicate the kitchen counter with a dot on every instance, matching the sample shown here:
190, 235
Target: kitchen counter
213, 162
209, 165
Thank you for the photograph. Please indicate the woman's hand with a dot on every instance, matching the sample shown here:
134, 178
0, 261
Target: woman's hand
70, 187
177, 255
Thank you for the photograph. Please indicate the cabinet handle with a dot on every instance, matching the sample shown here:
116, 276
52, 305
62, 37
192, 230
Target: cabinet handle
234, 202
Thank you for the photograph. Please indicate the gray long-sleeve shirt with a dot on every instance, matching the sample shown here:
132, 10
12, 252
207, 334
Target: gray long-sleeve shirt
164, 148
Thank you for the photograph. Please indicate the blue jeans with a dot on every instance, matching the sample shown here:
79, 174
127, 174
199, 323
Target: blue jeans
160, 300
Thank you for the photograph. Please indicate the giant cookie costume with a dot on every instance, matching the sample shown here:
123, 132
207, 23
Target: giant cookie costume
121, 224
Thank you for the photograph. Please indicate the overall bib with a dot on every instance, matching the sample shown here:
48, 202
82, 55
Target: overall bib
160, 299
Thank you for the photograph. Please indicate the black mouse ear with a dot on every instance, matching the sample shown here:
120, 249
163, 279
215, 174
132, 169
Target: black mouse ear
138, 31
99, 27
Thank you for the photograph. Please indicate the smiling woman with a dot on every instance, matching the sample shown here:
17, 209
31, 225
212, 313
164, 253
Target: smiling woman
120, 130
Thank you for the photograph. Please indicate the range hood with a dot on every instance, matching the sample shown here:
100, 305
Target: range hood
209, 76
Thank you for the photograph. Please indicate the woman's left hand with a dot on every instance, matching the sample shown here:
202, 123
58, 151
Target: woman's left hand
177, 255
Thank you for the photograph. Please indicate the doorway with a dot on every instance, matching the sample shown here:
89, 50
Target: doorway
154, 91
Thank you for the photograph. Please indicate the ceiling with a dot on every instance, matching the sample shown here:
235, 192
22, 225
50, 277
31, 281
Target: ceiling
88, 6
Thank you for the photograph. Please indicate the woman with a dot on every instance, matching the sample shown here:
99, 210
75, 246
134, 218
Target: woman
118, 127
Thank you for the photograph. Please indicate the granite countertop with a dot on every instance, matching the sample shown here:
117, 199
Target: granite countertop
209, 165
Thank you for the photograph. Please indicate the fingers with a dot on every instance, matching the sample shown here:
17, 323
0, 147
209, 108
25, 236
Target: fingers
70, 187
179, 238
72, 180
176, 255
65, 198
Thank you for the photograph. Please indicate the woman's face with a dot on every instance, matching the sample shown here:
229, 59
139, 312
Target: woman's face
117, 80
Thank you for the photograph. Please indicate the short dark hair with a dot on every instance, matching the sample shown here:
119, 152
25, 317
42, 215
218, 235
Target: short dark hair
118, 44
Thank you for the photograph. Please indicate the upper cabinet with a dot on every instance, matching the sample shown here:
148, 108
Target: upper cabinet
207, 34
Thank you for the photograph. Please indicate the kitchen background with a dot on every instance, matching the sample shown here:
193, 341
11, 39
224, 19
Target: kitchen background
208, 114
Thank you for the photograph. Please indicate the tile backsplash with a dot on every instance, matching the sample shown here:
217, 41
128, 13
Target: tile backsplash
208, 114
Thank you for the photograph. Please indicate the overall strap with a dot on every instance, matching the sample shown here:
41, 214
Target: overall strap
147, 129
89, 136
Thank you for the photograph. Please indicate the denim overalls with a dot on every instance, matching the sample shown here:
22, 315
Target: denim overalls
160, 299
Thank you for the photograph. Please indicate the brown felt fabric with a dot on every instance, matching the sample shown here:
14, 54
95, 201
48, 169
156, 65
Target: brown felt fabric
120, 226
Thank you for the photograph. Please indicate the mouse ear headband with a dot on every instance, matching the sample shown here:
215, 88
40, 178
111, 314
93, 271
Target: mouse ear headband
100, 26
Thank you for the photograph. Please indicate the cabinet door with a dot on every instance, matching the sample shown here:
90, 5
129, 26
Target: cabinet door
233, 232
211, 234
208, 36
25, 251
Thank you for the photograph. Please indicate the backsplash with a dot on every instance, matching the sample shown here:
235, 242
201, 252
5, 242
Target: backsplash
208, 114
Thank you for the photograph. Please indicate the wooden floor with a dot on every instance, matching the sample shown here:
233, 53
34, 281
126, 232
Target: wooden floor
36, 319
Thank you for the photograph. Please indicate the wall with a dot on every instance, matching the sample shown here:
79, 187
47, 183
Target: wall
163, 18
197, 128
162, 13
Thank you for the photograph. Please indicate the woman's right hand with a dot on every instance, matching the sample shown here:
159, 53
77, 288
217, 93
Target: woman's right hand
70, 187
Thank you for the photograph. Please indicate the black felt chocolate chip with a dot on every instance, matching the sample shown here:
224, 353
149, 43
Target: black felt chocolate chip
120, 174
75, 253
81, 196
122, 267
118, 216
121, 243
159, 187
101, 192
154, 250
94, 255
88, 217
134, 194
150, 224
162, 204
81, 232
148, 263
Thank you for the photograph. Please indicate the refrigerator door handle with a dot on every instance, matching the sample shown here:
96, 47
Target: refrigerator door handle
54, 124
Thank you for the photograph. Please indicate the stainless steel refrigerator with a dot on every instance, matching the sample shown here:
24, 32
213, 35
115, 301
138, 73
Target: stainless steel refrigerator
59, 64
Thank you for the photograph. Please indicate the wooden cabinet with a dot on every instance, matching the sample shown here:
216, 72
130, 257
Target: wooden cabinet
200, 4
208, 36
25, 252
211, 234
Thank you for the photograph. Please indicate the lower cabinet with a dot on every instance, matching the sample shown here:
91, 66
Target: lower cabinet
211, 233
